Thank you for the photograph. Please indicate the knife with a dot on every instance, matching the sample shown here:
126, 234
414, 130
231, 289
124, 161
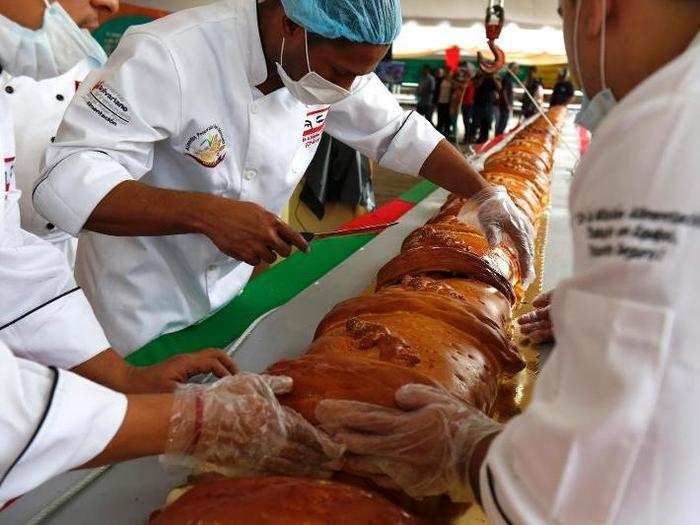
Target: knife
309, 236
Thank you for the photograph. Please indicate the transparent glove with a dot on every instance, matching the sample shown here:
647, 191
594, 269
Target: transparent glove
237, 426
497, 216
425, 449
537, 325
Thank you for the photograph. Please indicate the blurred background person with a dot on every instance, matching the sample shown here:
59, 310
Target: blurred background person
468, 108
505, 102
443, 104
485, 105
459, 85
426, 90
533, 84
439, 77
563, 91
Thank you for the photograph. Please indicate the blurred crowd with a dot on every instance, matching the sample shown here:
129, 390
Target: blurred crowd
484, 101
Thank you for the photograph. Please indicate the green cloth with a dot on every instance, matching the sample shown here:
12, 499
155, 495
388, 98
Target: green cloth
269, 290
419, 192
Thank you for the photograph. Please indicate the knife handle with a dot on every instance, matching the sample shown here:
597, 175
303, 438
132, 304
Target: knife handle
308, 236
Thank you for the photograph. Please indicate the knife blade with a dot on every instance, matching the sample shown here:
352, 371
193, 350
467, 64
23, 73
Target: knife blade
309, 236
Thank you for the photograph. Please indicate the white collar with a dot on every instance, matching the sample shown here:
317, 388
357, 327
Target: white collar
256, 68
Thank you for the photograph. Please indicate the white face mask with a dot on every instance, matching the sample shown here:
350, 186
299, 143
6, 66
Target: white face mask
311, 89
50, 51
594, 110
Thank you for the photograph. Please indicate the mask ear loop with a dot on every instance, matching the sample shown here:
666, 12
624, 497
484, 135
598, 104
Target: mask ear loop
603, 39
46, 3
282, 53
306, 43
576, 29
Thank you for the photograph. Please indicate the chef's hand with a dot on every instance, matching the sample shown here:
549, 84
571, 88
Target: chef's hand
537, 325
499, 216
166, 376
425, 449
237, 426
250, 233
108, 368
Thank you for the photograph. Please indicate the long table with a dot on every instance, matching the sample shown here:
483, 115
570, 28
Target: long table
273, 319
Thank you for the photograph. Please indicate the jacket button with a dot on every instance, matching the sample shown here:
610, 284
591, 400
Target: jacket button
9, 90
60, 97
249, 174
253, 108
50, 226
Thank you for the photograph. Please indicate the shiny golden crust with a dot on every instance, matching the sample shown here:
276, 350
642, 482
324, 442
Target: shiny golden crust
281, 501
318, 377
493, 268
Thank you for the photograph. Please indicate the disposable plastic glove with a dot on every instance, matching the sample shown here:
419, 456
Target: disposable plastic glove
497, 216
237, 426
425, 449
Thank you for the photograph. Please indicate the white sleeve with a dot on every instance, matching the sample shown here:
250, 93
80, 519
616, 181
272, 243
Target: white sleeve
109, 131
44, 316
52, 421
598, 442
372, 121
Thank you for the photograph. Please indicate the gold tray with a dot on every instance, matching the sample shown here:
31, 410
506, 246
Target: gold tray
514, 394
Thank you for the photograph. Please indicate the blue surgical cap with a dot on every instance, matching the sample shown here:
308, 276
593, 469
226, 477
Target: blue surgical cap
364, 21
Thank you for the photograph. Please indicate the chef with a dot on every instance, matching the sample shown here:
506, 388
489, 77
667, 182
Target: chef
55, 418
611, 434
174, 162
44, 56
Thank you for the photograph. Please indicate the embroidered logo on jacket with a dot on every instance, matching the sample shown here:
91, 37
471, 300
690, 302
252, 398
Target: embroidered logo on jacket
107, 104
207, 147
314, 126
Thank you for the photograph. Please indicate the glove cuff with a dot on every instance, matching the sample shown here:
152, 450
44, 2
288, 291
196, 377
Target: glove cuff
471, 431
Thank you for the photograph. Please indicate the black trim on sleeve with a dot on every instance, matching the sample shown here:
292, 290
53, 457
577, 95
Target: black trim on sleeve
403, 124
405, 120
38, 427
33, 310
489, 476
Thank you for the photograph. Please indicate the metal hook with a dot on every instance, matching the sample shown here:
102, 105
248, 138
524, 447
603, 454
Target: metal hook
492, 66
495, 19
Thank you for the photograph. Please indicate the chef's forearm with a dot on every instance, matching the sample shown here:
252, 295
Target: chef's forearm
448, 168
136, 209
143, 432
107, 368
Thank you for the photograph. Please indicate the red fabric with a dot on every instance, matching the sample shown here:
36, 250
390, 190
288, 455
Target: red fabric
490, 144
496, 140
390, 212
7, 505
584, 137
452, 58
468, 98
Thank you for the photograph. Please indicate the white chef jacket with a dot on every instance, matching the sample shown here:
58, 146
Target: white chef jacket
612, 433
51, 420
176, 107
37, 108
